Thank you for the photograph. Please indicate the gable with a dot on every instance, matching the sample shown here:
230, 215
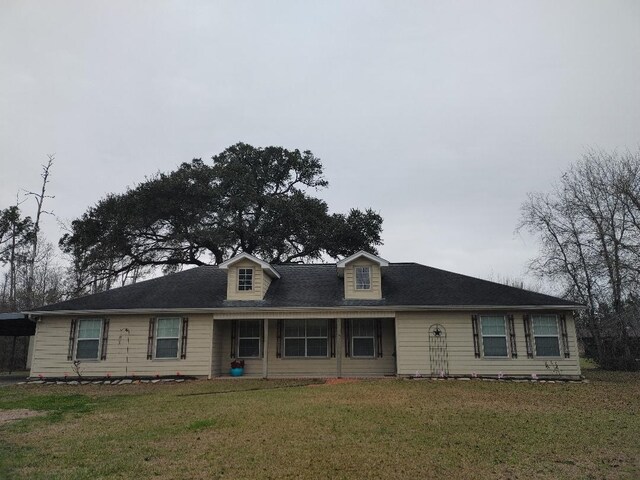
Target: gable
362, 274
355, 279
238, 276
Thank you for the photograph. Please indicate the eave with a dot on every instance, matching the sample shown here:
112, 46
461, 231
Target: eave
271, 310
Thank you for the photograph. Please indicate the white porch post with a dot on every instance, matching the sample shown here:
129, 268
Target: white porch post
265, 349
339, 347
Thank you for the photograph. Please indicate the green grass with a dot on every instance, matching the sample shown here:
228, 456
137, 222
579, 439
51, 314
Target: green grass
289, 429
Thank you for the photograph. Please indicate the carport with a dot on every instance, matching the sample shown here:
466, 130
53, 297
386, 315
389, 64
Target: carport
15, 325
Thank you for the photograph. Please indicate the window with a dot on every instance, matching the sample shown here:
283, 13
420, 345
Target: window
167, 336
306, 338
363, 278
249, 338
363, 337
88, 343
545, 334
245, 279
494, 336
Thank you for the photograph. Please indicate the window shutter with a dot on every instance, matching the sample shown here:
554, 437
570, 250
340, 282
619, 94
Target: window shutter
105, 338
379, 336
152, 330
72, 338
526, 320
332, 333
476, 337
565, 336
183, 339
347, 338
512, 336
279, 339
234, 343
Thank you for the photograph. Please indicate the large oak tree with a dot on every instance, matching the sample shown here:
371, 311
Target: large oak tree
253, 200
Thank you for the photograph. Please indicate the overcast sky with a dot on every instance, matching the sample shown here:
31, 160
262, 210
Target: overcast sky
439, 115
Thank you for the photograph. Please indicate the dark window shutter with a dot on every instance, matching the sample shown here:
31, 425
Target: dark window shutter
105, 338
512, 336
183, 339
347, 338
152, 331
279, 339
526, 320
234, 342
332, 333
72, 338
565, 336
379, 336
476, 336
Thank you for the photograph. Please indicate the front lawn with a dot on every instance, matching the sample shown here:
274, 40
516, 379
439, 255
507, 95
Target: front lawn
293, 429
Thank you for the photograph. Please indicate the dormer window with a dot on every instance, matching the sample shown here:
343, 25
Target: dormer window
245, 279
363, 278
248, 277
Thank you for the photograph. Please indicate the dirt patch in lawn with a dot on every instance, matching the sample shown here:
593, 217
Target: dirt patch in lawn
18, 414
335, 381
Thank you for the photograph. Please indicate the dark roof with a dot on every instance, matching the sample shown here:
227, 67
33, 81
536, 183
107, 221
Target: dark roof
309, 285
16, 324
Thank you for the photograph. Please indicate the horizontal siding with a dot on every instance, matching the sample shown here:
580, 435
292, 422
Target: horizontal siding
209, 349
413, 347
259, 286
385, 365
252, 366
52, 341
216, 361
293, 314
350, 284
310, 367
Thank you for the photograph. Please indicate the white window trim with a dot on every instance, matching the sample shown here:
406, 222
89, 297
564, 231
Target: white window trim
250, 338
78, 339
250, 289
505, 336
355, 276
556, 336
306, 337
372, 337
157, 337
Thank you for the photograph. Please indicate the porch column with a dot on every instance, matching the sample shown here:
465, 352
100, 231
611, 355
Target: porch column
339, 347
265, 349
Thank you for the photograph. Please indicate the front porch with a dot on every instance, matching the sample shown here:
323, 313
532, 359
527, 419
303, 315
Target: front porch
312, 347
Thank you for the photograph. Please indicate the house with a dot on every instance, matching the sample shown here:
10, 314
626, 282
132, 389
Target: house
362, 316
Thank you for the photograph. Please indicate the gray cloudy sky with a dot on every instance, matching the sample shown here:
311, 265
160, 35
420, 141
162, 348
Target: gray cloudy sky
439, 115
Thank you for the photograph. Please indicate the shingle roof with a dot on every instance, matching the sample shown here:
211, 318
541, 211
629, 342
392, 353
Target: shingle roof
311, 285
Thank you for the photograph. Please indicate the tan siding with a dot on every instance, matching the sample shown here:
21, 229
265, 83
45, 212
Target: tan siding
301, 314
413, 347
261, 282
266, 281
252, 366
218, 338
50, 351
310, 367
385, 365
350, 285
259, 285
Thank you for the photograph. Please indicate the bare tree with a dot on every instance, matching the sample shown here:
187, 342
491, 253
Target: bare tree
588, 227
40, 199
